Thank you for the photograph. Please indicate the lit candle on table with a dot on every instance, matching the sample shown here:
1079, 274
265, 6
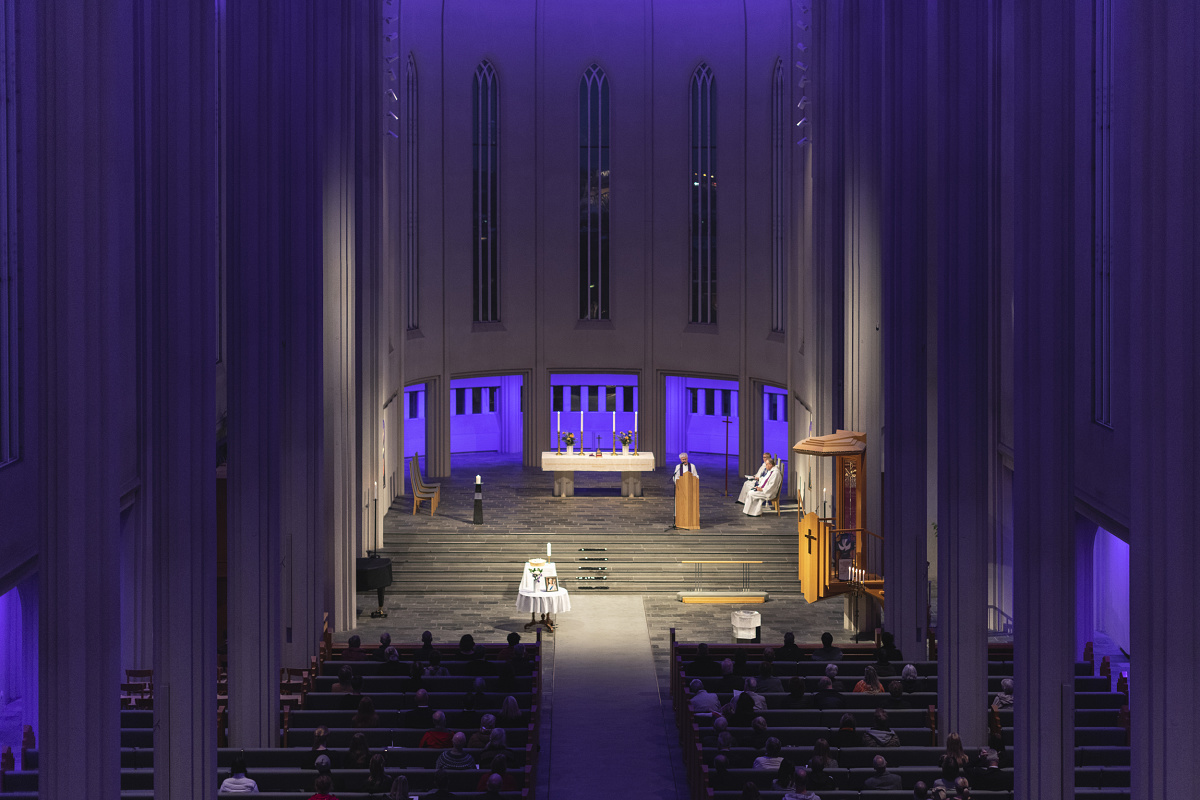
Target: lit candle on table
558, 425
547, 549
614, 422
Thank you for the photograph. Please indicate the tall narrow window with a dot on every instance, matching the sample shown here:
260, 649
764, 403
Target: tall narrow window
411, 197
9, 306
1102, 303
704, 197
593, 194
485, 97
779, 134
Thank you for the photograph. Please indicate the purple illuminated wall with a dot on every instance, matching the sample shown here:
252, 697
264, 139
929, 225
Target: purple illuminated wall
592, 405
695, 413
1111, 587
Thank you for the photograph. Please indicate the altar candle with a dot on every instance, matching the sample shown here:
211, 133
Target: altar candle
376, 490
558, 425
581, 427
547, 549
635, 422
614, 422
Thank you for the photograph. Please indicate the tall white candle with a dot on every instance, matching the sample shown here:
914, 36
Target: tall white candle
558, 426
614, 422
547, 549
581, 424
635, 422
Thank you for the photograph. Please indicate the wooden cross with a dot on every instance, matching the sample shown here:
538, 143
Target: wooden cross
808, 535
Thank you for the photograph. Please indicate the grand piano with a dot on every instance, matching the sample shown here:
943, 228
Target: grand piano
374, 572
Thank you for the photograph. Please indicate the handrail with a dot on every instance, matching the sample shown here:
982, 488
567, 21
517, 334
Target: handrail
856, 530
720, 562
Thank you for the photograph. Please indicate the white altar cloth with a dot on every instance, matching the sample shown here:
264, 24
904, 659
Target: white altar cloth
533, 598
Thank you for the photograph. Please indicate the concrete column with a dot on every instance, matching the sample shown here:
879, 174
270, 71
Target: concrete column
1085, 604
84, 170
1157, 85
509, 407
437, 427
180, 295
964, 265
28, 591
906, 258
257, 224
1043, 475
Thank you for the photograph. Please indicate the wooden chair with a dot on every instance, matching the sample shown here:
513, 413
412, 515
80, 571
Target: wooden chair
422, 490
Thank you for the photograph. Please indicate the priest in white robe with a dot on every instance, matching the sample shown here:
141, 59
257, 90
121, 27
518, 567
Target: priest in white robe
748, 484
764, 489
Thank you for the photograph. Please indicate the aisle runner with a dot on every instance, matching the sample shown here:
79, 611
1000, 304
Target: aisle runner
608, 736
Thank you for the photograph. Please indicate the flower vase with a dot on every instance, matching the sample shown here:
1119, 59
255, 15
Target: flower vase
624, 448
570, 449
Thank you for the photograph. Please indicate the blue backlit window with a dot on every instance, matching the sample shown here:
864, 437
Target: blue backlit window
593, 194
703, 126
485, 96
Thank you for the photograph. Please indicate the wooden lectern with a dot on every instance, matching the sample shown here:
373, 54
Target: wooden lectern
687, 502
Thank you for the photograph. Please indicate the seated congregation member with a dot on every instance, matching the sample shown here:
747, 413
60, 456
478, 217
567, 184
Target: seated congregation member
920, 791
887, 650
703, 665
498, 766
703, 701
718, 776
896, 698
826, 697
954, 752
354, 651
495, 785
323, 764
477, 697
882, 779
480, 737
358, 755
385, 641
847, 734
237, 782
392, 664
773, 756
378, 781
884, 668
910, 679
800, 789
760, 702
962, 788
752, 480
426, 645
466, 646
422, 715
740, 710
729, 681
497, 745
519, 660
719, 725
991, 778
831, 672
399, 789
789, 651
819, 779
441, 786
435, 668
758, 735
880, 734
827, 652
345, 681
437, 736
506, 652
870, 682
320, 748
765, 489
510, 713
1005, 698
795, 693
725, 744
750, 791
767, 682
949, 776
821, 750
323, 788
456, 757
366, 716
785, 776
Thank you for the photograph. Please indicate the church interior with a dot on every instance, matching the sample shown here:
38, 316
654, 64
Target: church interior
312, 312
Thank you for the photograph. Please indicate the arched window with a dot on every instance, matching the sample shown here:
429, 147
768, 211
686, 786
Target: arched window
411, 195
485, 98
703, 124
779, 134
593, 194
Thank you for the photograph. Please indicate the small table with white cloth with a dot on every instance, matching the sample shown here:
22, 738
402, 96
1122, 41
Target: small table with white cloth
533, 597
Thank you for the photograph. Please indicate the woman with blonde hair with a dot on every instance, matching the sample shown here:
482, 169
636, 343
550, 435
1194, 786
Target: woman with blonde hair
870, 682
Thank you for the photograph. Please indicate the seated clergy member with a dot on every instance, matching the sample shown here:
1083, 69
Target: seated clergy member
683, 466
765, 488
752, 480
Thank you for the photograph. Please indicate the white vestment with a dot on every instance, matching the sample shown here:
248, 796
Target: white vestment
679, 470
768, 488
751, 480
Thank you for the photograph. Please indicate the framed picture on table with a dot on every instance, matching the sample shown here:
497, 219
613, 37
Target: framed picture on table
551, 583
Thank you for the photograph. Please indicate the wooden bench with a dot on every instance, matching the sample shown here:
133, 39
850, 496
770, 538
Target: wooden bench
422, 490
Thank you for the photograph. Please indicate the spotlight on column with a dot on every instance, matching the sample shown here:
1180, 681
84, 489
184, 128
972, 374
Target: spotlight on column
478, 500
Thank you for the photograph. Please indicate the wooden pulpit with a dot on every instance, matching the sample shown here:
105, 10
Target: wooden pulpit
687, 502
814, 556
